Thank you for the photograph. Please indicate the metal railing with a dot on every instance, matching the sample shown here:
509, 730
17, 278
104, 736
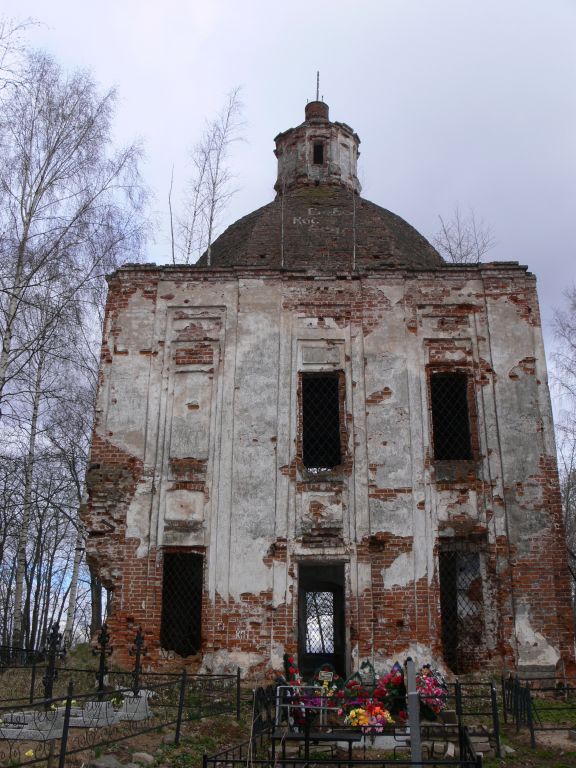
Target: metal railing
257, 751
51, 729
477, 703
303, 717
11, 656
539, 703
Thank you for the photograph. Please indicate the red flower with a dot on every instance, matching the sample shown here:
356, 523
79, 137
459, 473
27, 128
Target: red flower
290, 660
292, 670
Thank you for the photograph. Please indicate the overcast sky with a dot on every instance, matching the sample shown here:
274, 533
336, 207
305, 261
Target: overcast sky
468, 102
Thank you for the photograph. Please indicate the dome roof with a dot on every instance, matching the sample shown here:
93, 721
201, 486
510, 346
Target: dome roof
322, 227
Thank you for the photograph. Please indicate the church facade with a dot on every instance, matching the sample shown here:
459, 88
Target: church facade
324, 440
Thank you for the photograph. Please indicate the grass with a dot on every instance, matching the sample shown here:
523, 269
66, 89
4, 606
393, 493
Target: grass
210, 735
215, 734
555, 712
526, 757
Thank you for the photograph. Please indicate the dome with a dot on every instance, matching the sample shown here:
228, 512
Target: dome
325, 228
318, 220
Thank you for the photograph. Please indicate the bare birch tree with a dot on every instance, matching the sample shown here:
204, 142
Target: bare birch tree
564, 361
208, 189
70, 211
12, 50
463, 239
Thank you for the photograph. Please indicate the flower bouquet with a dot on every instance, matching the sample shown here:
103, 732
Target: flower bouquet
391, 690
372, 718
433, 691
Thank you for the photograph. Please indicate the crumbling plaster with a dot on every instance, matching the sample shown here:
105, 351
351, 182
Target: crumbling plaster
199, 385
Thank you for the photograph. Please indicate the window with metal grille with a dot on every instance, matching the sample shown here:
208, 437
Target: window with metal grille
461, 605
320, 421
181, 624
319, 622
321, 617
450, 416
318, 153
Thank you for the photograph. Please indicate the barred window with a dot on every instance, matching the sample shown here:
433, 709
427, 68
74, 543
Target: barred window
321, 421
318, 153
461, 604
450, 416
181, 623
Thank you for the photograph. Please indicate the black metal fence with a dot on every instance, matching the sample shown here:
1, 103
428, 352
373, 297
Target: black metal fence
11, 656
258, 752
278, 718
475, 705
49, 711
539, 704
60, 726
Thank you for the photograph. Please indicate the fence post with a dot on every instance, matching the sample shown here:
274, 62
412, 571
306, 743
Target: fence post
238, 693
307, 723
495, 718
66, 726
458, 702
461, 741
180, 707
516, 702
413, 712
529, 719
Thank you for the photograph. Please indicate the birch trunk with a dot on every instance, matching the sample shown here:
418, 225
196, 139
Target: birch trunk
78, 552
27, 506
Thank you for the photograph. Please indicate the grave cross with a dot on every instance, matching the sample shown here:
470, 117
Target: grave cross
138, 650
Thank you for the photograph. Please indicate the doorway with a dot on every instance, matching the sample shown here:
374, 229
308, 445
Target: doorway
321, 618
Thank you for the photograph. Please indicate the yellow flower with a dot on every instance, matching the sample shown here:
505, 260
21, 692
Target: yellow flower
30, 753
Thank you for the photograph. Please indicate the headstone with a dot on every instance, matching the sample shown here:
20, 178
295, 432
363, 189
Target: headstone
135, 708
32, 725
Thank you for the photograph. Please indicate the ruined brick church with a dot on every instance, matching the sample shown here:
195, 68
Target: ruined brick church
322, 439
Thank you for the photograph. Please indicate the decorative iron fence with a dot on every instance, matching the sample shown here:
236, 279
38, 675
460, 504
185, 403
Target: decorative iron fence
475, 705
10, 656
302, 719
51, 729
258, 752
539, 704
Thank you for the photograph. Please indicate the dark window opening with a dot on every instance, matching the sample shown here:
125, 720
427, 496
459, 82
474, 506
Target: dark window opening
318, 153
461, 605
181, 624
320, 422
450, 416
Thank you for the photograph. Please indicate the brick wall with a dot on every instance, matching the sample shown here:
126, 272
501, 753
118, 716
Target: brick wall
387, 500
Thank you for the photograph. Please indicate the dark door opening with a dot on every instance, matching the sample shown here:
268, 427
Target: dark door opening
461, 605
321, 631
181, 621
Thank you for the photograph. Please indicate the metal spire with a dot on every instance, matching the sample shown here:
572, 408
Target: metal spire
318, 85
